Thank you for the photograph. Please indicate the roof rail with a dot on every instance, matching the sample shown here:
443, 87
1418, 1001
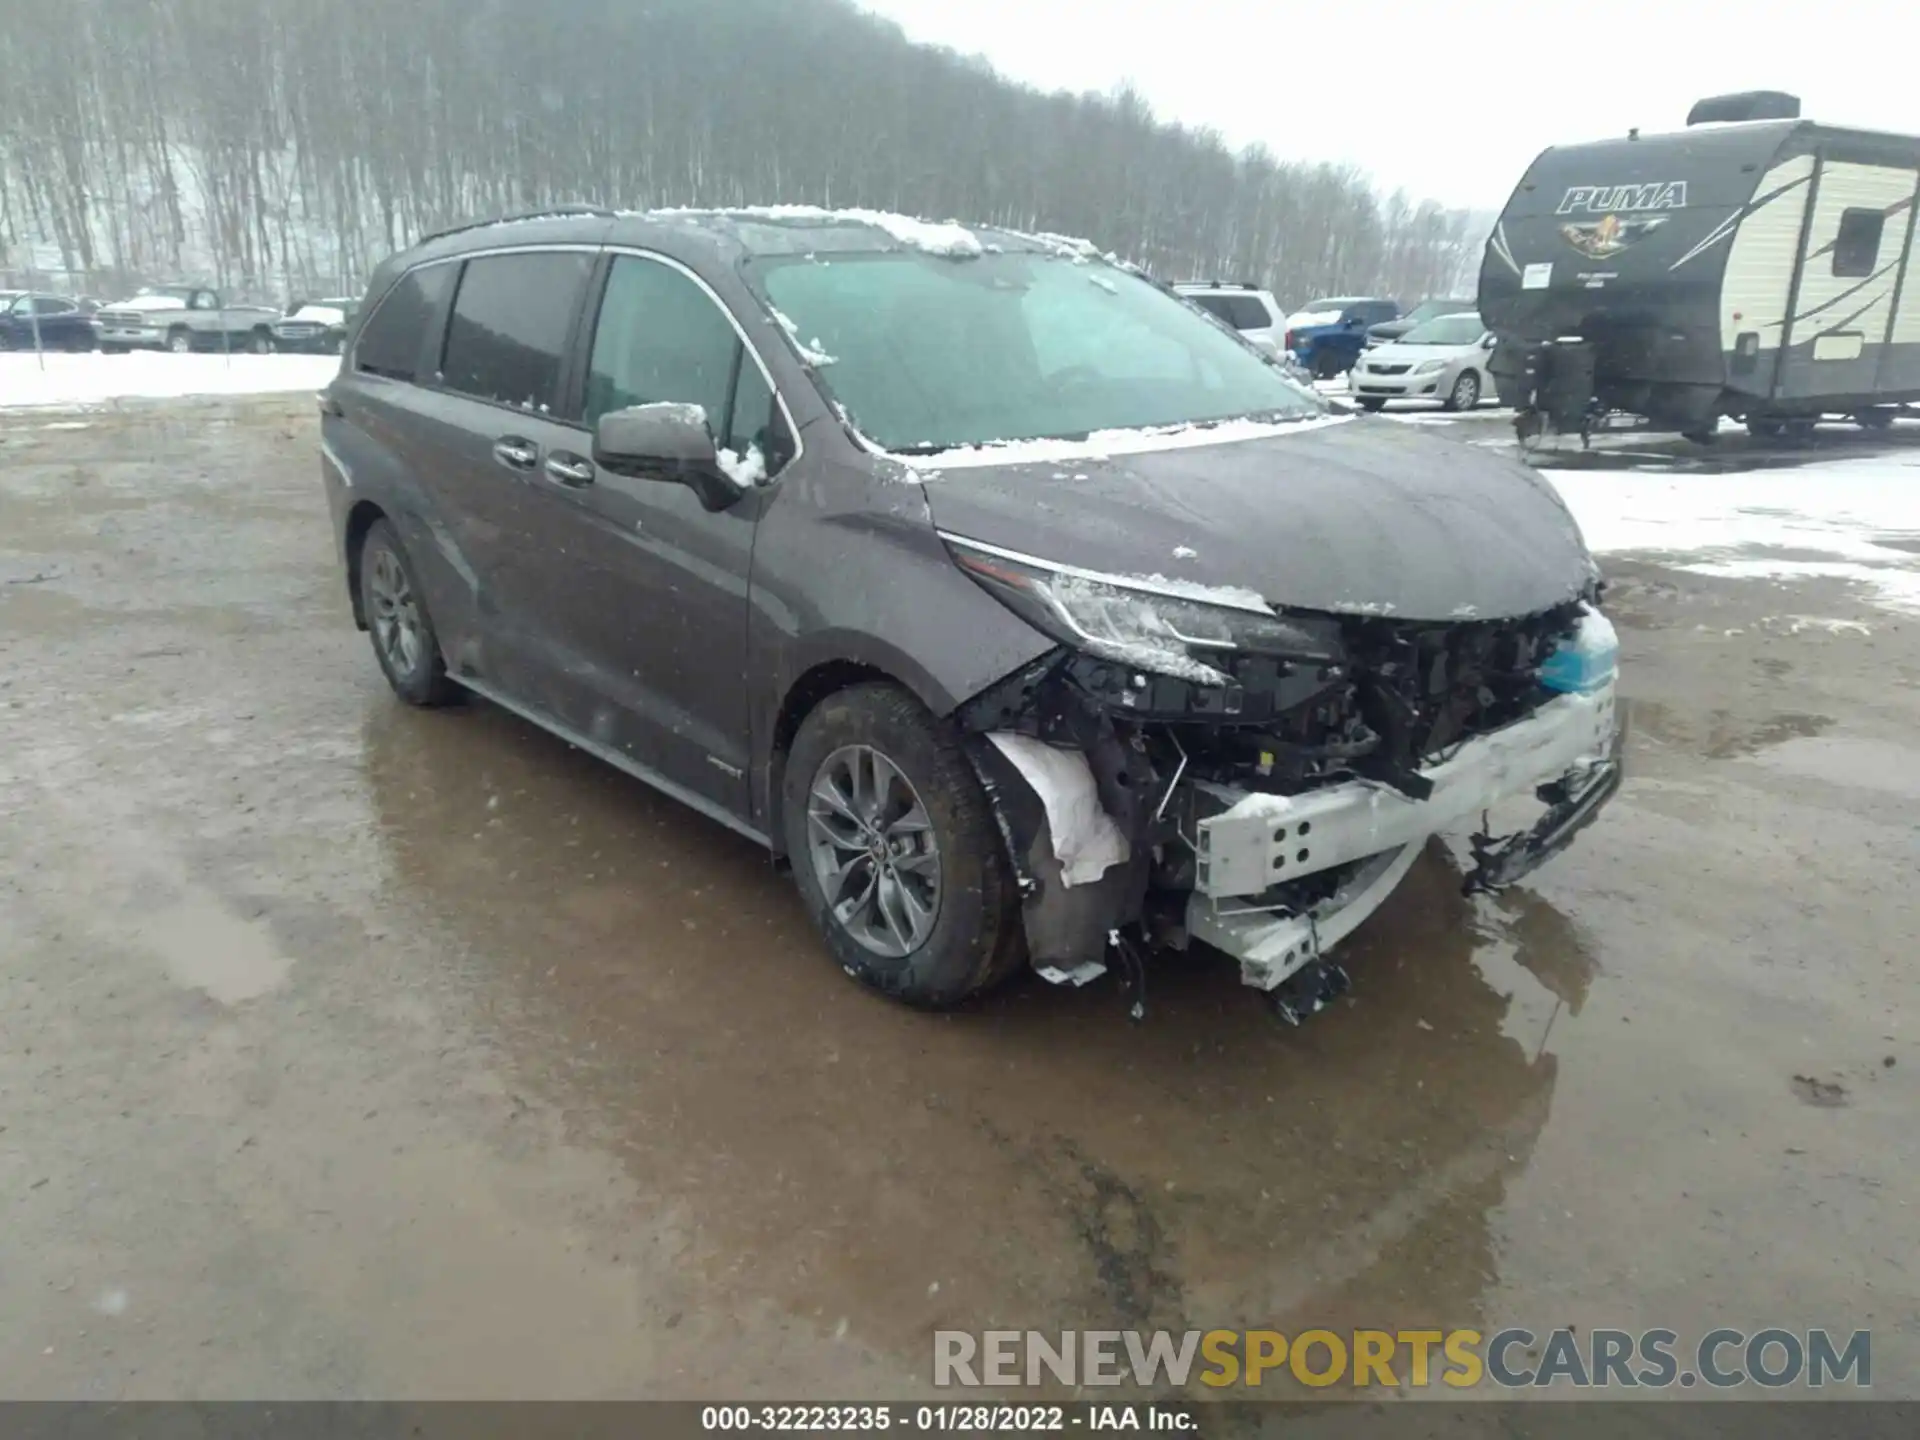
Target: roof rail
549, 212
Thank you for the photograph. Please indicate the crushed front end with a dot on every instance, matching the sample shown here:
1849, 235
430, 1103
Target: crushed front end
1270, 795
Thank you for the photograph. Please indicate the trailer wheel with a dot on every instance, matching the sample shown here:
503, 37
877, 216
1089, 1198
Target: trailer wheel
1875, 418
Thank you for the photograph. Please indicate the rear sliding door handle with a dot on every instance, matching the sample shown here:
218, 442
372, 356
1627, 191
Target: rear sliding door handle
569, 469
516, 453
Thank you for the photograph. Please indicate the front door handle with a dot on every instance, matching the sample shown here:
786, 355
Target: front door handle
516, 453
569, 469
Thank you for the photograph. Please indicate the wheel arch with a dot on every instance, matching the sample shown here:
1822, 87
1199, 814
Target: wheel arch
353, 539
827, 675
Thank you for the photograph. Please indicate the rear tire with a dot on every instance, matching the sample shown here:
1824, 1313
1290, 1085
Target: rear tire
924, 907
1762, 428
1879, 418
1465, 393
1371, 403
397, 621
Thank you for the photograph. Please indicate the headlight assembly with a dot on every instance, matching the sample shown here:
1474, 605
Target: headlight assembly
1170, 627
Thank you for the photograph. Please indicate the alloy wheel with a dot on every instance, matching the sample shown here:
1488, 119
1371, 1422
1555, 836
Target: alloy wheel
396, 615
873, 851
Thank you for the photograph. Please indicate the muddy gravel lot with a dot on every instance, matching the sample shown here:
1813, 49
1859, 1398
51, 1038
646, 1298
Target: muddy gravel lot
348, 1050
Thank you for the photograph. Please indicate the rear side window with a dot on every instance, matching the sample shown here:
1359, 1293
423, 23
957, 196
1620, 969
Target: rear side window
391, 343
46, 305
1248, 313
511, 318
1856, 249
1218, 306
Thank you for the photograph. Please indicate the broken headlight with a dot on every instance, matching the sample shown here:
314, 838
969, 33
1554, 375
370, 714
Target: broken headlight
1170, 627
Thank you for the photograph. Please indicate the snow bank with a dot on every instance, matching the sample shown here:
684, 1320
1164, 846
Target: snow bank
94, 379
1853, 520
1104, 443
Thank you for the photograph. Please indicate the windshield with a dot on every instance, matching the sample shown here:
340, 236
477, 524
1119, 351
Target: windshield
1429, 309
929, 353
1447, 330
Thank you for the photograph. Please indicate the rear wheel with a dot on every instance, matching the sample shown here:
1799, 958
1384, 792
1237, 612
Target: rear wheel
896, 852
397, 620
1465, 393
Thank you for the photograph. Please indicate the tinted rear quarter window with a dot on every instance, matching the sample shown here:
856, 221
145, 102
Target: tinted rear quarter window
1218, 306
1249, 313
396, 332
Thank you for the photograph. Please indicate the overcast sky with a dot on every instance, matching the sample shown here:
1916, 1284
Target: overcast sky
1451, 100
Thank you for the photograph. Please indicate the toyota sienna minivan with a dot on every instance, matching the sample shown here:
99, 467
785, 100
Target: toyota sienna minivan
1026, 612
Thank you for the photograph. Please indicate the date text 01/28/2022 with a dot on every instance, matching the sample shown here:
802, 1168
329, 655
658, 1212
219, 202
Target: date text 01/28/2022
960, 1418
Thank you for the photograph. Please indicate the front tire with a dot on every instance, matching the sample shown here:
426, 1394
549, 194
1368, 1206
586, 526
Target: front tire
895, 850
1465, 393
402, 632
180, 340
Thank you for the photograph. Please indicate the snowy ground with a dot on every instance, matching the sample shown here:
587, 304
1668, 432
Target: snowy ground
67, 381
1853, 519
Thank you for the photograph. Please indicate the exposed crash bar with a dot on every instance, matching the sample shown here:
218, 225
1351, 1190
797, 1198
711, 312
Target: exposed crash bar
1263, 840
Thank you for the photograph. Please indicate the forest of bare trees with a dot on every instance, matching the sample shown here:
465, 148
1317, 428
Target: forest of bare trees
284, 146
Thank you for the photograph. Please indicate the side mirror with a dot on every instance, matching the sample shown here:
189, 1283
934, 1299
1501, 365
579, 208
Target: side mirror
665, 441
1487, 341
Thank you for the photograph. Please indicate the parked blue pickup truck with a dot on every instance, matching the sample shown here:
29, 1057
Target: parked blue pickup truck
1327, 336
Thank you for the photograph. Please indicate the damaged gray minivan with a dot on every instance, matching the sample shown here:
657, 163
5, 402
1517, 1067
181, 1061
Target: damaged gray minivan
1021, 607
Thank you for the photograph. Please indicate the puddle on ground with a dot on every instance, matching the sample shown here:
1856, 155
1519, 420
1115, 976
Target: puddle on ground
1720, 734
207, 947
1852, 761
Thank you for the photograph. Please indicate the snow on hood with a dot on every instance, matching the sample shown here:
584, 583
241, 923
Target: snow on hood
320, 314
1102, 444
1314, 317
150, 302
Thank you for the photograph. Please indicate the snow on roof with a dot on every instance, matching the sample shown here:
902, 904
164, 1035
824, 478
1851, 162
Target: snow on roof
936, 237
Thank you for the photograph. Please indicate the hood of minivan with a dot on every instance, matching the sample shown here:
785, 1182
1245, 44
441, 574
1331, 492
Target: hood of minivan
1367, 517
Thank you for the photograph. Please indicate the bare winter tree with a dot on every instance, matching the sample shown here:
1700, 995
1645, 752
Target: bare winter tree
285, 145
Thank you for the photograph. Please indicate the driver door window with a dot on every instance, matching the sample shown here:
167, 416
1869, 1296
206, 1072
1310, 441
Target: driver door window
661, 337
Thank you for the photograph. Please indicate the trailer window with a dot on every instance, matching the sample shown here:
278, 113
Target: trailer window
1857, 246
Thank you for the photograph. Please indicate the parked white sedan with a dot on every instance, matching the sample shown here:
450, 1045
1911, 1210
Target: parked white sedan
1444, 359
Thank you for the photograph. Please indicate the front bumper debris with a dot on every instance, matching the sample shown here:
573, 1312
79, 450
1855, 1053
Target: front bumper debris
1566, 751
